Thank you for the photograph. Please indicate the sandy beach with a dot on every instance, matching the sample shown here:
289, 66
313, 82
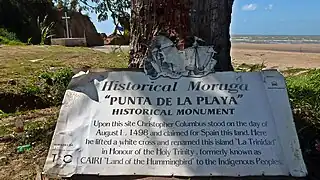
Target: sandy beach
277, 56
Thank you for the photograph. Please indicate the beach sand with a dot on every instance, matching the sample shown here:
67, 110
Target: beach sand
277, 56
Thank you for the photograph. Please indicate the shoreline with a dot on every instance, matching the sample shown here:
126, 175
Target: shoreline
299, 48
274, 56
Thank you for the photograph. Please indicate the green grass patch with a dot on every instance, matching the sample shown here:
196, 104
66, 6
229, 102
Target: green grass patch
23, 64
38, 131
249, 67
9, 35
37, 76
304, 93
6, 115
6, 129
4, 40
9, 38
293, 71
50, 86
33, 122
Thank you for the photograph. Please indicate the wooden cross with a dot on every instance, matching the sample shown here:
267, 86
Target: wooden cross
66, 18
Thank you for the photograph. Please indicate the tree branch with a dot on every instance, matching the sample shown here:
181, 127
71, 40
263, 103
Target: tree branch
85, 3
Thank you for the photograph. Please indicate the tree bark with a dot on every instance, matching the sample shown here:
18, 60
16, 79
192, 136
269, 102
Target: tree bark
207, 19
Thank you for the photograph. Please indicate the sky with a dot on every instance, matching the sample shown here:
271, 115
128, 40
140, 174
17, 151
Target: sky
263, 17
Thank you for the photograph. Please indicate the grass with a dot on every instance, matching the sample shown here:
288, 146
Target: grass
244, 67
304, 93
249, 67
9, 38
38, 130
24, 69
22, 64
294, 71
37, 71
4, 40
37, 76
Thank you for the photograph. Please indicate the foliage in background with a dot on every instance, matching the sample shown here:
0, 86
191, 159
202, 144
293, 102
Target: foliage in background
20, 17
6, 41
8, 38
46, 29
9, 35
74, 5
117, 9
304, 94
24, 17
67, 5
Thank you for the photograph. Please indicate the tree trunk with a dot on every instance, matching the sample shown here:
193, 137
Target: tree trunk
207, 19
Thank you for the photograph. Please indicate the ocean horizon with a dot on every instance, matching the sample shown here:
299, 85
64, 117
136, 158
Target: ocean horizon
276, 39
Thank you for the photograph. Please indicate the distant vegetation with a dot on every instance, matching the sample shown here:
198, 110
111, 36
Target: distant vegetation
20, 20
9, 38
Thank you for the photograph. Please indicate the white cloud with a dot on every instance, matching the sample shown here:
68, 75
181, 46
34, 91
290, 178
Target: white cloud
249, 7
270, 6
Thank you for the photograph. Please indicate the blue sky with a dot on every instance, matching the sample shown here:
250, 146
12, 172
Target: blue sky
263, 17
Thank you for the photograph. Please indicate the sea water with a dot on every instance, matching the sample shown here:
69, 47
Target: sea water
275, 39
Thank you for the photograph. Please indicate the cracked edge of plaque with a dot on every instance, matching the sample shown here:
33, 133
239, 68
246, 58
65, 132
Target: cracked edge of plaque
164, 59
